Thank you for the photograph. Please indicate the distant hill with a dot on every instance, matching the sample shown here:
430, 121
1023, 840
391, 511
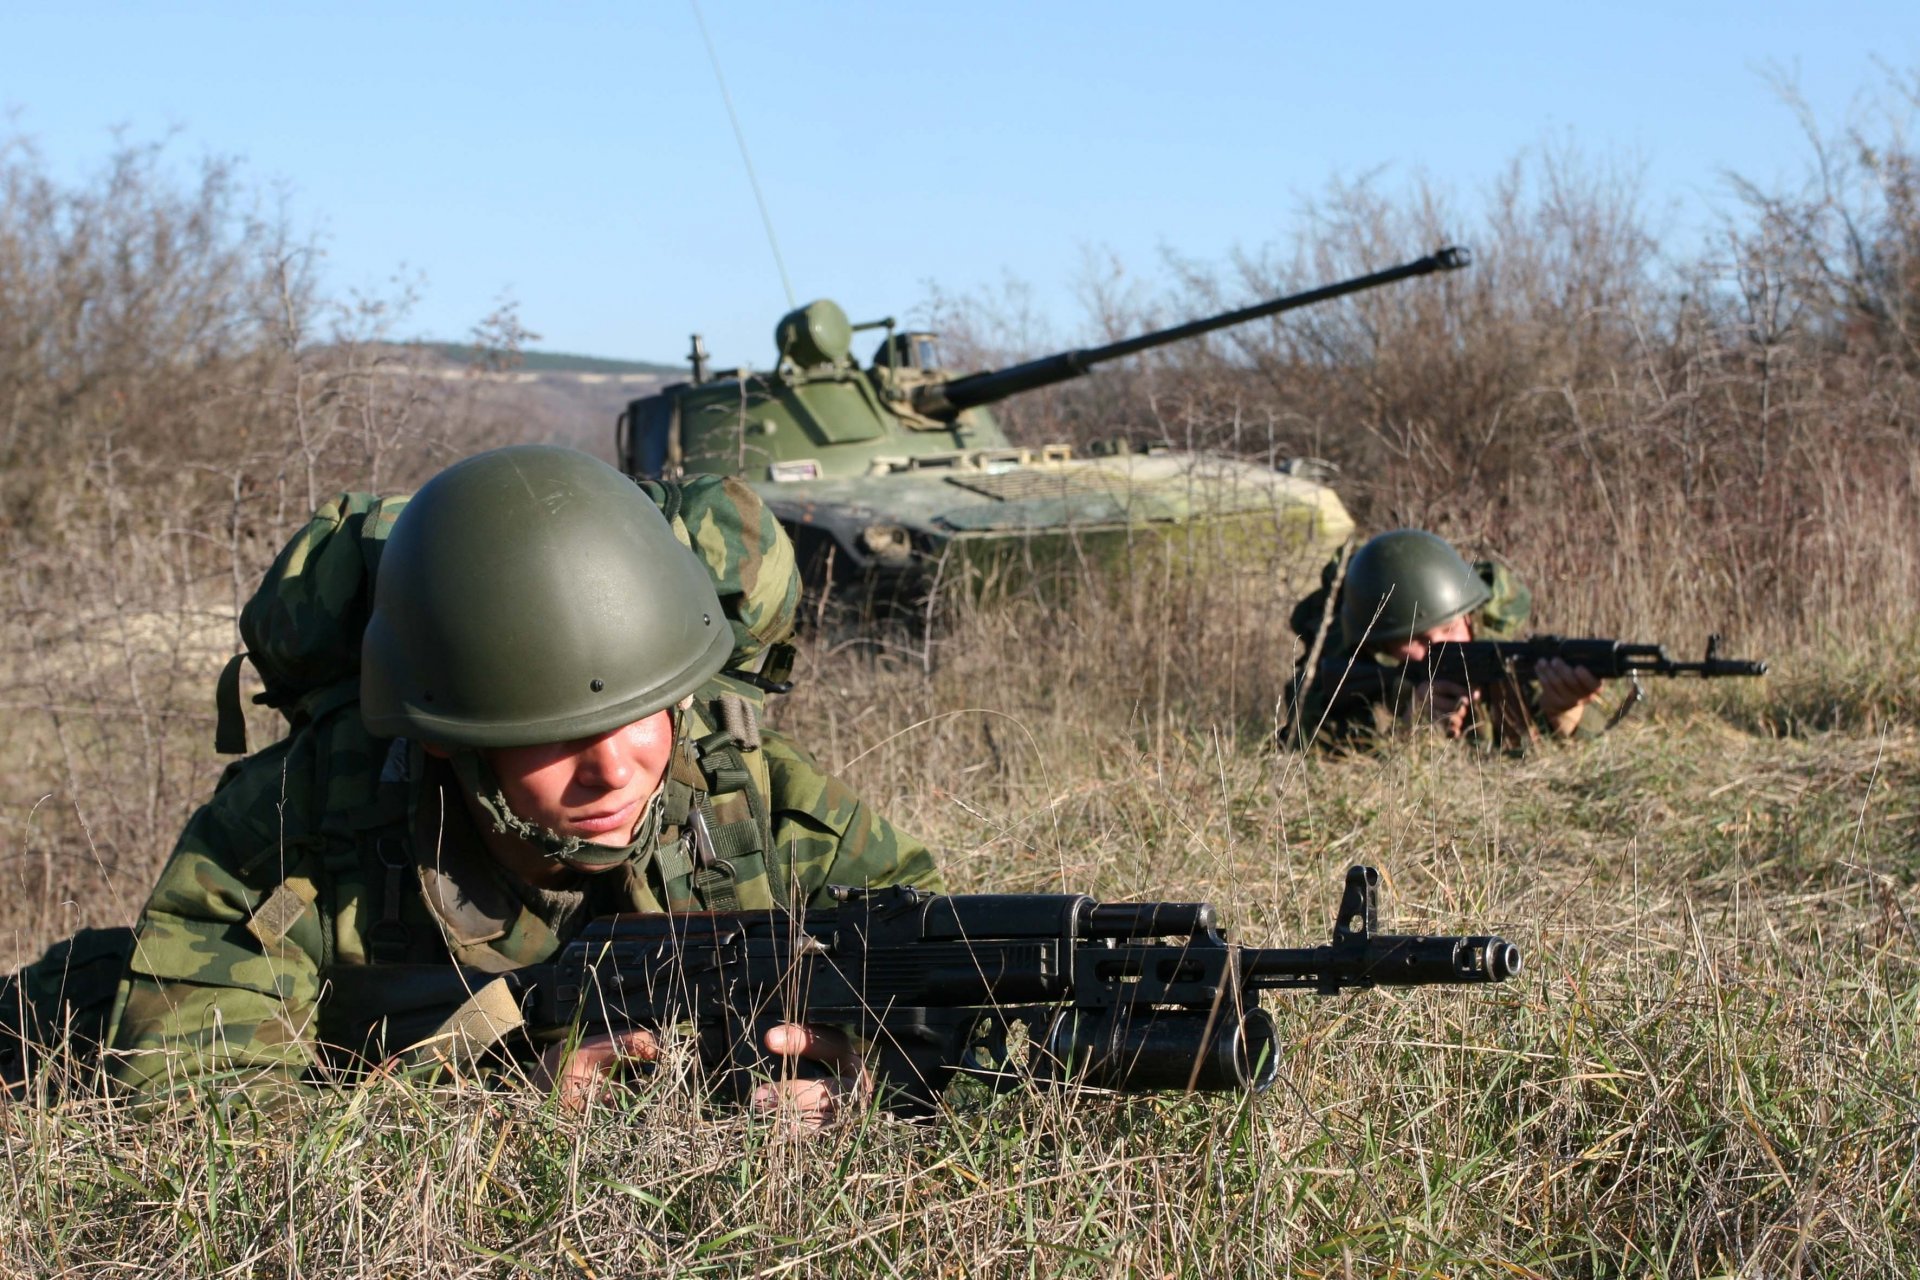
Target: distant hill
547, 361
545, 396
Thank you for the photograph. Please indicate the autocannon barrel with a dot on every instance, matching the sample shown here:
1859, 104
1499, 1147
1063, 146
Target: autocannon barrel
943, 400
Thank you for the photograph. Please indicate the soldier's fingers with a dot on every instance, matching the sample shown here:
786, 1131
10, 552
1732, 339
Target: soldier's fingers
1563, 685
576, 1074
826, 1045
1570, 676
805, 1104
1448, 701
1553, 682
636, 1043
812, 1104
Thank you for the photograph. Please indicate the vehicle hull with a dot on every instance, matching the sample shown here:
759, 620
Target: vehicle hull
987, 523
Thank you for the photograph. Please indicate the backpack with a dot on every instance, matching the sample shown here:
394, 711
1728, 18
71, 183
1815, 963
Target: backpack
302, 629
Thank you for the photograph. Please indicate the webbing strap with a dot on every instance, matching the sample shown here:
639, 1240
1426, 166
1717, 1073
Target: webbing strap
737, 718
720, 761
714, 884
719, 855
483, 1020
730, 839
230, 724
679, 801
387, 939
675, 868
724, 760
713, 877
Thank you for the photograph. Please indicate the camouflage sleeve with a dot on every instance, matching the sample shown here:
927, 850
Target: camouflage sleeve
832, 836
224, 979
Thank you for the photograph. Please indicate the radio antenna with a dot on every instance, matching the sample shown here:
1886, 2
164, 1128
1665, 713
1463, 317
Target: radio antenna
739, 136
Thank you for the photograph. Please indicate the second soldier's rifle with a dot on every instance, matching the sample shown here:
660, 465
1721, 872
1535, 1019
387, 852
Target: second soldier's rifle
1128, 996
1488, 664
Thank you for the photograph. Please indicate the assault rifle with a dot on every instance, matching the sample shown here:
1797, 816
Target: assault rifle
1129, 996
1487, 664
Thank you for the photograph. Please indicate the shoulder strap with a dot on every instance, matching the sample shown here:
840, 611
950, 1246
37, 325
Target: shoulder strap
718, 853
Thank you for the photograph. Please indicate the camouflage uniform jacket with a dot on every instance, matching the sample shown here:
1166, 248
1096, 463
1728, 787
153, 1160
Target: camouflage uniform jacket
1343, 719
332, 851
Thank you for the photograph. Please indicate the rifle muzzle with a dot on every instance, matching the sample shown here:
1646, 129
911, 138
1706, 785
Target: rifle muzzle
1418, 961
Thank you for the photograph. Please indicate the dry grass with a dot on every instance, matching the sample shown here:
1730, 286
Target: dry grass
1708, 1069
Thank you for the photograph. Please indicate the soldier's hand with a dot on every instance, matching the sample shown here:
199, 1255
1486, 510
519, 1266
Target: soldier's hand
1444, 703
579, 1075
812, 1104
1565, 693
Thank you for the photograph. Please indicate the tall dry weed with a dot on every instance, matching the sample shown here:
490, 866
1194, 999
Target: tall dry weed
176, 400
1708, 1069
1723, 441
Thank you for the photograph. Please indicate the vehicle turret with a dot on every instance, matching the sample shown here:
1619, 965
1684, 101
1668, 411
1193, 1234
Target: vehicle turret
881, 469
818, 414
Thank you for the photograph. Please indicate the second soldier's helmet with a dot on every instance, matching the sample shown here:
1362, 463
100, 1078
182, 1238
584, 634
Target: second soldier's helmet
533, 594
1402, 583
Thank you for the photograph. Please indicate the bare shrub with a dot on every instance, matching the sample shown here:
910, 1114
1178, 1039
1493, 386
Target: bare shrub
176, 398
1727, 442
1707, 1068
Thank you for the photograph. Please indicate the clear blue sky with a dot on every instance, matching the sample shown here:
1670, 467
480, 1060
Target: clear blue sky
578, 156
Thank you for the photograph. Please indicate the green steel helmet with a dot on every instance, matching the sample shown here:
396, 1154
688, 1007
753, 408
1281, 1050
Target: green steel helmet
529, 595
1405, 582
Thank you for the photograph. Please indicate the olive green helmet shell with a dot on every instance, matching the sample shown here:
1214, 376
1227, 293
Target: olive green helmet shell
1402, 583
530, 595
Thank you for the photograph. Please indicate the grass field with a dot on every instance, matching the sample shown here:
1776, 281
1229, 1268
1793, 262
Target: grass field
1708, 1068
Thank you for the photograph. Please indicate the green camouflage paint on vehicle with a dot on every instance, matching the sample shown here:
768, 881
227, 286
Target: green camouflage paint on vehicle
897, 475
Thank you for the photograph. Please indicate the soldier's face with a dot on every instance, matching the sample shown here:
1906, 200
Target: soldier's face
1415, 649
593, 788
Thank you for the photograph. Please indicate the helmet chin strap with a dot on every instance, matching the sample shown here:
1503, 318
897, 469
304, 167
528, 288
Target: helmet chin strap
478, 778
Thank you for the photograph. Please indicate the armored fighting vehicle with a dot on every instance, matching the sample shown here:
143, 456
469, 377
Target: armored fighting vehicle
897, 476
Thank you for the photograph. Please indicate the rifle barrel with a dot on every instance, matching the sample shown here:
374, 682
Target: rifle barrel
1385, 960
